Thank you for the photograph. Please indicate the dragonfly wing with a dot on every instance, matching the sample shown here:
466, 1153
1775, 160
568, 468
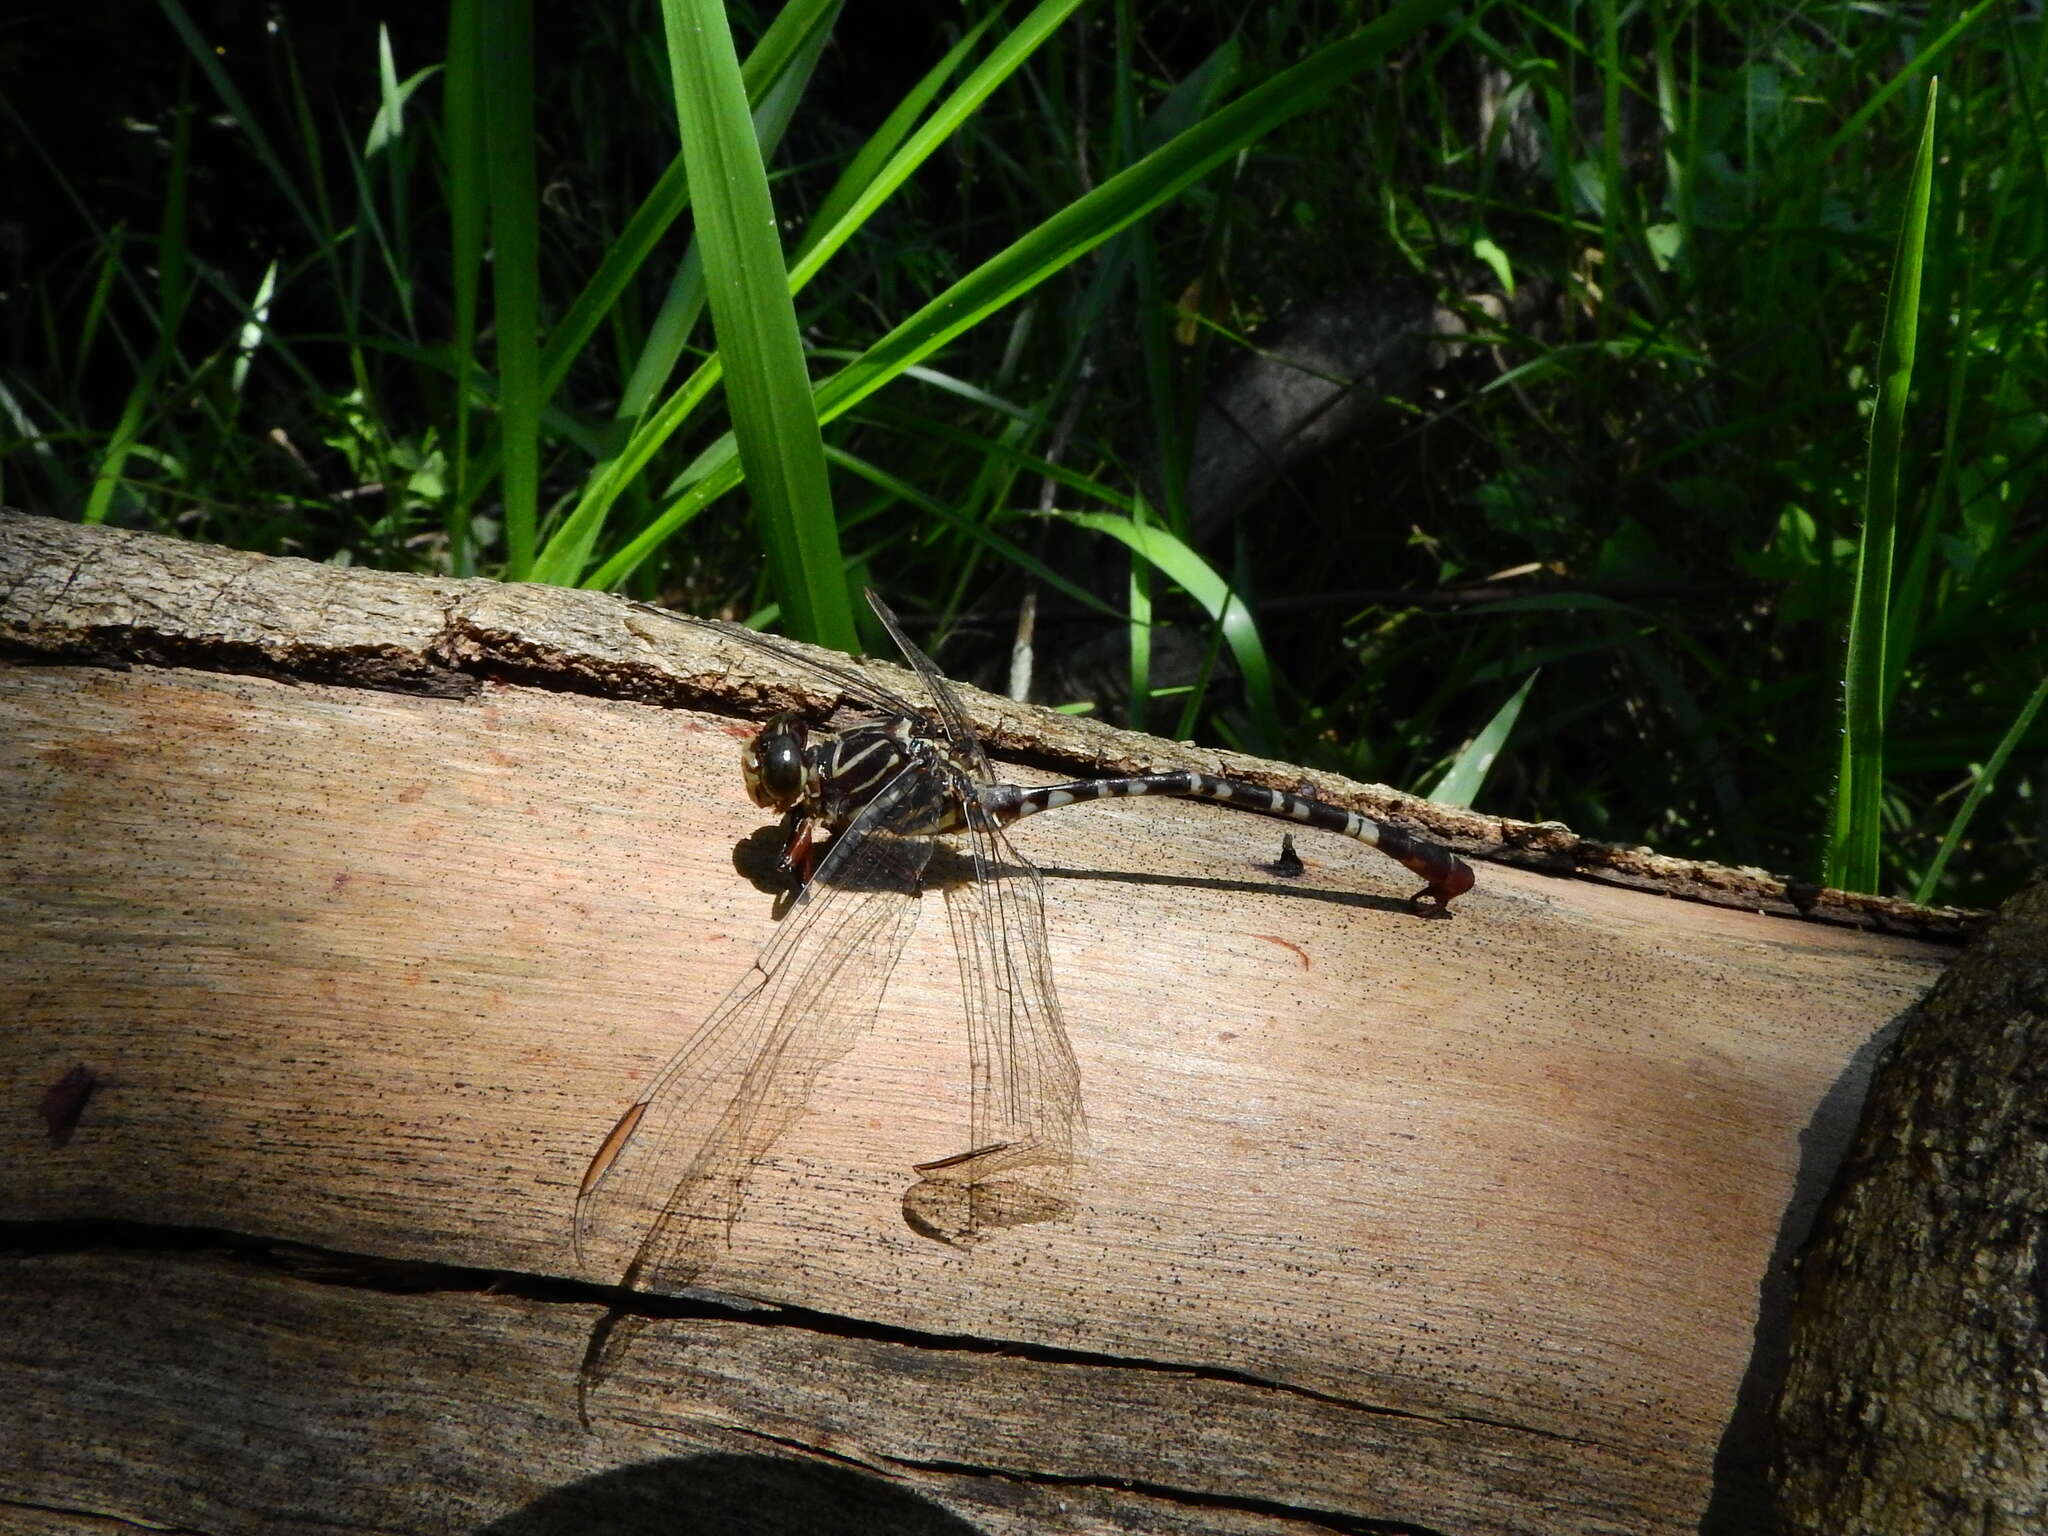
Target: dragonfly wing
681, 1155
1025, 1124
945, 703
863, 691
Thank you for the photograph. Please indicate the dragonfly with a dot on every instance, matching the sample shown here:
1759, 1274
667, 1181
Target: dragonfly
866, 800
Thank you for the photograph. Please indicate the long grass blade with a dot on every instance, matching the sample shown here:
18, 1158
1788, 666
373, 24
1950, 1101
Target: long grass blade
882, 148
468, 176
252, 333
1854, 844
1126, 198
174, 287
569, 548
1004, 60
789, 48
1928, 57
515, 268
1196, 577
775, 426
1009, 551
1057, 243
1462, 781
779, 66
2015, 734
26, 432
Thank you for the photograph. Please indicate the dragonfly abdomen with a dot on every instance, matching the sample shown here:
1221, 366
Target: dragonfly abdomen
1448, 875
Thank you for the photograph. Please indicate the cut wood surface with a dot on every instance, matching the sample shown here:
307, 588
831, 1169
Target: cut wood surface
370, 901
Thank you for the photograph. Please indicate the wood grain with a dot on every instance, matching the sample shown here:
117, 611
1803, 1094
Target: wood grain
1468, 1225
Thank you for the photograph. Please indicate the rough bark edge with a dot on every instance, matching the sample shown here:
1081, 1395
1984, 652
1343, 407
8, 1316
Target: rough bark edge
1915, 1398
109, 597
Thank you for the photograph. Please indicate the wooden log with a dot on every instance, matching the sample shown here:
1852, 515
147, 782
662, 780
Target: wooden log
1913, 1403
369, 901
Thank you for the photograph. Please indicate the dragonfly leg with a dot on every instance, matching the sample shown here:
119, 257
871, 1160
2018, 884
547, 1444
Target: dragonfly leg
799, 858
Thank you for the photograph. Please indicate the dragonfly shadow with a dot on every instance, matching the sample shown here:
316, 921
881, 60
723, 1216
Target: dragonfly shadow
1361, 900
959, 1200
757, 859
960, 1215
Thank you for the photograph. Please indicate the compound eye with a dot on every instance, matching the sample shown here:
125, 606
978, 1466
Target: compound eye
774, 764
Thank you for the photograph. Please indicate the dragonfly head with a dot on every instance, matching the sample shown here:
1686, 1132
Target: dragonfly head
773, 763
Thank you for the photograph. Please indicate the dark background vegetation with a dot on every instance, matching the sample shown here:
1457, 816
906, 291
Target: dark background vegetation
1637, 475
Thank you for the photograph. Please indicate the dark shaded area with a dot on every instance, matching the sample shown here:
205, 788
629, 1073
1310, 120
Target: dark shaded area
92, 90
730, 1496
64, 1102
735, 1495
1740, 1504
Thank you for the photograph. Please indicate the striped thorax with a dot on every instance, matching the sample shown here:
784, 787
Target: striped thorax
830, 776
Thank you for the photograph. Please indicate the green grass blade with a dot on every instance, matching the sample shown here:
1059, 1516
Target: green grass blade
568, 550
786, 52
1853, 846
779, 66
775, 424
781, 63
507, 59
714, 472
1124, 199
1924, 891
1194, 575
1928, 58
801, 27
388, 138
111, 244
253, 331
882, 146
468, 175
1003, 61
938, 511
1063, 239
174, 287
1138, 634
858, 196
683, 305
313, 151
1466, 776
26, 433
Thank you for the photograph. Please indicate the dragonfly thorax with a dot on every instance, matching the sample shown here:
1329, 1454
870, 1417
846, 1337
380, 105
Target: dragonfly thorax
849, 768
832, 775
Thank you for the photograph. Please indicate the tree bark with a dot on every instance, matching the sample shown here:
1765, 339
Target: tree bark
1917, 1395
367, 902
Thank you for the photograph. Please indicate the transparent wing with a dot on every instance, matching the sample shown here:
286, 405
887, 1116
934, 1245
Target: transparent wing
667, 1183
1025, 1125
860, 689
945, 703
